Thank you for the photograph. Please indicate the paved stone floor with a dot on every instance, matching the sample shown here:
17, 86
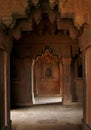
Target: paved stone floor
47, 117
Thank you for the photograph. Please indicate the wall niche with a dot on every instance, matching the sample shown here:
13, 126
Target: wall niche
47, 74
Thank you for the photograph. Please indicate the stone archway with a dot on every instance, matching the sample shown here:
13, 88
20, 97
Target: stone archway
46, 75
7, 20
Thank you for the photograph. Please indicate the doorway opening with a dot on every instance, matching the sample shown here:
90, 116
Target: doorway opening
46, 78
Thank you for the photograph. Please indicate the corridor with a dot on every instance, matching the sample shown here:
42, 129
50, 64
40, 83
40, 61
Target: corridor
47, 117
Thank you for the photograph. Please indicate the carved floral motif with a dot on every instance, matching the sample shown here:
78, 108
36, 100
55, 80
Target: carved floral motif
47, 57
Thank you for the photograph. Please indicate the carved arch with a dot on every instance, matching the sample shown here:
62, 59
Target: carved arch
47, 74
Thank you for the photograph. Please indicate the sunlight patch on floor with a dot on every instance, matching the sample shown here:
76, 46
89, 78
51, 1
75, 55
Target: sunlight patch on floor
45, 100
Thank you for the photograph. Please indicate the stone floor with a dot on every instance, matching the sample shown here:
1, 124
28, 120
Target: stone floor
47, 117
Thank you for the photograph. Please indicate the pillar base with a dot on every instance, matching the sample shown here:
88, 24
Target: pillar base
67, 102
85, 126
6, 128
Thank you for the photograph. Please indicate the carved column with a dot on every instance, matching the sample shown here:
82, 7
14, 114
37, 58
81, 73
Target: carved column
61, 78
32, 75
84, 85
88, 86
73, 82
66, 81
4, 83
4, 90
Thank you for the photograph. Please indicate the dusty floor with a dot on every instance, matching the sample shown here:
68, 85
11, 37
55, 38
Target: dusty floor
47, 117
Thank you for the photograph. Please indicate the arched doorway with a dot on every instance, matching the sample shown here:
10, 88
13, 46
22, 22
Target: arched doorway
47, 77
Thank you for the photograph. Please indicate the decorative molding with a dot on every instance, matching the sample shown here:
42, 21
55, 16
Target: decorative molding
66, 8
7, 21
47, 57
5, 40
64, 2
85, 39
79, 12
67, 24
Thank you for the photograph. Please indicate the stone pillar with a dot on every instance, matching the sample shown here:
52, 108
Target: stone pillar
66, 81
32, 76
84, 85
73, 83
5, 47
85, 45
87, 90
4, 91
88, 85
61, 79
28, 80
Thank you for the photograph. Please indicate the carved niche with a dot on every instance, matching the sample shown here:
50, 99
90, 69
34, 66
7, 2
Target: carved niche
47, 61
47, 74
